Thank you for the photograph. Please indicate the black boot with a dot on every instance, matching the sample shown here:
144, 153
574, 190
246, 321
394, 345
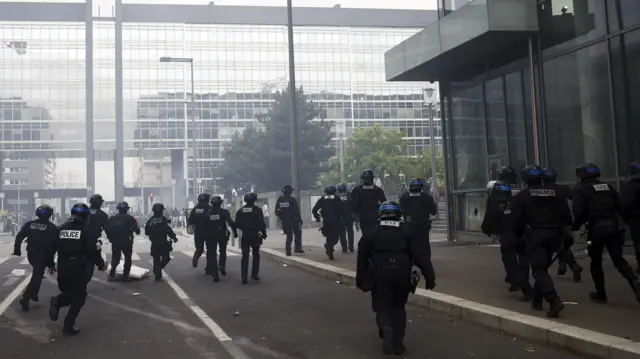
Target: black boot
399, 349
300, 251
112, 272
24, 303
244, 280
223, 271
35, 298
194, 260
70, 330
255, 277
289, 253
555, 308
536, 305
387, 340
216, 278
54, 309
577, 272
330, 254
599, 297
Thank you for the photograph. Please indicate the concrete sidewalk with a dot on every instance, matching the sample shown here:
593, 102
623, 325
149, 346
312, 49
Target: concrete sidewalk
471, 286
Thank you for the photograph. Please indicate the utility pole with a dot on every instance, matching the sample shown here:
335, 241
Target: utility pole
293, 112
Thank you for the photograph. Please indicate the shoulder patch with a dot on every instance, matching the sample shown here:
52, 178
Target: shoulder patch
199, 210
248, 209
156, 221
415, 194
38, 226
284, 204
542, 192
390, 223
601, 187
214, 217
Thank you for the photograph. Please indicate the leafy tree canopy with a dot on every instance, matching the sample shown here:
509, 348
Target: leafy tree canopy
262, 156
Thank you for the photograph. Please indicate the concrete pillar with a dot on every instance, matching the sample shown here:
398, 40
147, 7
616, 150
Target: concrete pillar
179, 176
91, 168
118, 160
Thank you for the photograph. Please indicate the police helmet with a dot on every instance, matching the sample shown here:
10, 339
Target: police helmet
507, 173
342, 188
96, 200
216, 201
390, 210
531, 173
502, 188
123, 207
80, 211
550, 175
634, 170
44, 211
367, 177
416, 185
287, 189
204, 198
330, 190
588, 170
250, 198
157, 208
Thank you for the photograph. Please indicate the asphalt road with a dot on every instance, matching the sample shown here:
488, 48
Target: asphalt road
289, 315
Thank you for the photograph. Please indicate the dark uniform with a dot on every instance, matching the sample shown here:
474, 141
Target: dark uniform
218, 238
40, 234
288, 212
512, 247
199, 220
250, 220
332, 213
540, 217
120, 230
346, 236
565, 255
631, 207
75, 248
598, 205
386, 255
158, 230
97, 223
366, 198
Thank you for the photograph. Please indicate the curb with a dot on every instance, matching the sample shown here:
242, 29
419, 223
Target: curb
582, 341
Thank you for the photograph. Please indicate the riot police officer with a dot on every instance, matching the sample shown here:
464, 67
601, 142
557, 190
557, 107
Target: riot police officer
512, 247
367, 197
329, 208
346, 236
218, 238
250, 220
200, 222
631, 207
598, 205
97, 223
75, 248
288, 211
540, 216
418, 207
40, 234
565, 255
386, 255
120, 230
157, 229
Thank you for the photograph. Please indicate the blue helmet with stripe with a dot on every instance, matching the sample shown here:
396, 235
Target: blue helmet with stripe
330, 190
390, 210
250, 198
342, 188
80, 211
587, 170
502, 188
416, 185
44, 211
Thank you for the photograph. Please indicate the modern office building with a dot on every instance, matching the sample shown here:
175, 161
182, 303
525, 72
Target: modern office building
100, 70
576, 61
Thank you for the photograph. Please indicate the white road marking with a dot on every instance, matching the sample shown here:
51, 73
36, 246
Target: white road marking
11, 281
14, 294
2, 260
25, 261
135, 256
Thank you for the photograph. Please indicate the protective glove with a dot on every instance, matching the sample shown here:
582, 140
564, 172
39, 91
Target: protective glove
357, 226
430, 283
318, 220
235, 235
103, 267
99, 245
52, 270
16, 252
175, 240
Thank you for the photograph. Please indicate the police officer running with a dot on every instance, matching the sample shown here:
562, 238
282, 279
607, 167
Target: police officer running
97, 223
565, 255
288, 212
40, 234
200, 222
631, 207
367, 197
418, 207
120, 229
540, 216
332, 213
346, 236
386, 255
250, 221
598, 205
75, 249
218, 238
157, 229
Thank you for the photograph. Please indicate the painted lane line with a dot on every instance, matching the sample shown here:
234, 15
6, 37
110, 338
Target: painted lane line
10, 281
14, 294
3, 259
25, 261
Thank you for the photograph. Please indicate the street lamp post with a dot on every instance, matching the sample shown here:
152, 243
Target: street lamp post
293, 112
193, 117
427, 94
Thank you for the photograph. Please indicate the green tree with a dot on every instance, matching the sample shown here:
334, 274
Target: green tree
263, 157
421, 167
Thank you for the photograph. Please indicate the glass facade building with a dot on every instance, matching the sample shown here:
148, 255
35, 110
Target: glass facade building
580, 71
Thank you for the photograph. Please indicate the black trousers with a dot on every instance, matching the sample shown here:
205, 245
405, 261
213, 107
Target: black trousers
346, 236
250, 245
613, 243
514, 259
388, 300
541, 245
293, 232
634, 228
218, 242
36, 259
118, 249
72, 283
331, 233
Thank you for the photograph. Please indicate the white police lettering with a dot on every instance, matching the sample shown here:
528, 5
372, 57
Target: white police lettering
415, 194
38, 226
515, 189
367, 187
284, 204
199, 210
156, 221
390, 223
248, 209
602, 187
70, 234
541, 192
214, 217
329, 197
343, 197
93, 211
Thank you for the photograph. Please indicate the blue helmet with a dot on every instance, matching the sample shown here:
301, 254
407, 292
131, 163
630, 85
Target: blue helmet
587, 170
367, 177
634, 169
250, 198
216, 201
80, 211
390, 210
502, 188
531, 172
204, 198
123, 206
416, 185
330, 190
342, 188
549, 175
44, 211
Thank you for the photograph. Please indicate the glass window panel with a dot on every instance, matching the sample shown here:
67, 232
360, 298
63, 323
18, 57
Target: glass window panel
496, 118
470, 211
625, 52
516, 120
566, 23
469, 143
579, 126
623, 14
